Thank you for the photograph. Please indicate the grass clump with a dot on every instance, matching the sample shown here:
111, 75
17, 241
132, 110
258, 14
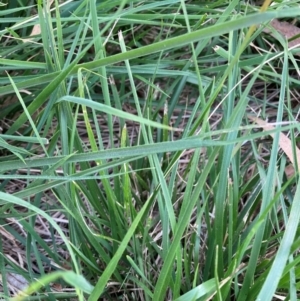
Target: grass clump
148, 151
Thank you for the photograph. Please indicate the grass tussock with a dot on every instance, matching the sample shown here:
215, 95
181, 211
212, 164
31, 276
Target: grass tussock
149, 150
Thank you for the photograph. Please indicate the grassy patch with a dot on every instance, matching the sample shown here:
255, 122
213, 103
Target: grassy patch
148, 151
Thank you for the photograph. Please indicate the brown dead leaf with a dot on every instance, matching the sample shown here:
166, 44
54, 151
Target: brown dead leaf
289, 171
284, 142
287, 30
37, 27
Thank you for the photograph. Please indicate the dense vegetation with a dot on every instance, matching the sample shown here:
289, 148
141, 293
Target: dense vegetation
149, 151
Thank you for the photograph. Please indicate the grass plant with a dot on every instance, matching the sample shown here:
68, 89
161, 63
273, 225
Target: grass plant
148, 151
